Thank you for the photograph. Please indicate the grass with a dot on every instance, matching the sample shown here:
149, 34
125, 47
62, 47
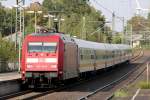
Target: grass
144, 85
121, 93
125, 93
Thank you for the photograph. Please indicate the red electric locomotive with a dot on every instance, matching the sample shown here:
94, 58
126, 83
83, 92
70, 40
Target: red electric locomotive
43, 58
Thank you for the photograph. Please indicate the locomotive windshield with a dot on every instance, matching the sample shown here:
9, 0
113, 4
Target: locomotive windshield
42, 47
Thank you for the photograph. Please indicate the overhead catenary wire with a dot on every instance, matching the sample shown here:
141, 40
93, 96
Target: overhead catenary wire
99, 28
114, 16
108, 10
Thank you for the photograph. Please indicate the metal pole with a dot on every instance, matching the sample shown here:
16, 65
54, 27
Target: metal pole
16, 29
123, 31
20, 35
20, 20
19, 51
23, 29
113, 22
19, 27
35, 21
131, 36
49, 23
83, 29
59, 24
99, 36
11, 24
147, 72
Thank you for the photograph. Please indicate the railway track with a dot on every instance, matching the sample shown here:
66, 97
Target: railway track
108, 96
130, 82
31, 94
140, 54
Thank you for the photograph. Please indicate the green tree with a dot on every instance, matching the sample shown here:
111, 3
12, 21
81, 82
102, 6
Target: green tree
117, 39
73, 13
138, 23
7, 20
7, 51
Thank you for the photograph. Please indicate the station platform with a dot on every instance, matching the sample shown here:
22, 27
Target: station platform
4, 77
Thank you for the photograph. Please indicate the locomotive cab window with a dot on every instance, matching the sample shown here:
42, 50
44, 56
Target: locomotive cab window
42, 47
34, 46
49, 47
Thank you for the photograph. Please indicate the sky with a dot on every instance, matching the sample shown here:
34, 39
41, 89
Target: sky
122, 8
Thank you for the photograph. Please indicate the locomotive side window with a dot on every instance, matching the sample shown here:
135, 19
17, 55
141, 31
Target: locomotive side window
42, 47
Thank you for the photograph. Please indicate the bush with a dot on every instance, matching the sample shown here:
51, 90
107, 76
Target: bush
7, 50
121, 93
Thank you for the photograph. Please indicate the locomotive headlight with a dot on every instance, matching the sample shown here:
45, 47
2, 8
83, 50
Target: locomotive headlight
23, 72
29, 66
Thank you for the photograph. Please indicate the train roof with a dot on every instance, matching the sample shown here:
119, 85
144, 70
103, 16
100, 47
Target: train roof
123, 46
100, 46
65, 38
89, 44
86, 44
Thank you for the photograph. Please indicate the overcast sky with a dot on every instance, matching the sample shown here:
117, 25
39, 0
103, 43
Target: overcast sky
122, 8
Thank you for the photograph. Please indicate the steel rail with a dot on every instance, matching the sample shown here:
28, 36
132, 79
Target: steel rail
15, 94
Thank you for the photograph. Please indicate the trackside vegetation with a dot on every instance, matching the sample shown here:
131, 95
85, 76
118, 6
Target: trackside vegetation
144, 85
121, 93
7, 50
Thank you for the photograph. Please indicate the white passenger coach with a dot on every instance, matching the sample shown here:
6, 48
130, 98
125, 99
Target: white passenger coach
95, 56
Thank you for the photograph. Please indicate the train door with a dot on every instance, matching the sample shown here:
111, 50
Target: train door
70, 61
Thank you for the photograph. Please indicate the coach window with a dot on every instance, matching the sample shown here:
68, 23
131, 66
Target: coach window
81, 54
96, 56
92, 56
113, 54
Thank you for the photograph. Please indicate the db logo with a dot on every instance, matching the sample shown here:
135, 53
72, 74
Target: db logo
41, 60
